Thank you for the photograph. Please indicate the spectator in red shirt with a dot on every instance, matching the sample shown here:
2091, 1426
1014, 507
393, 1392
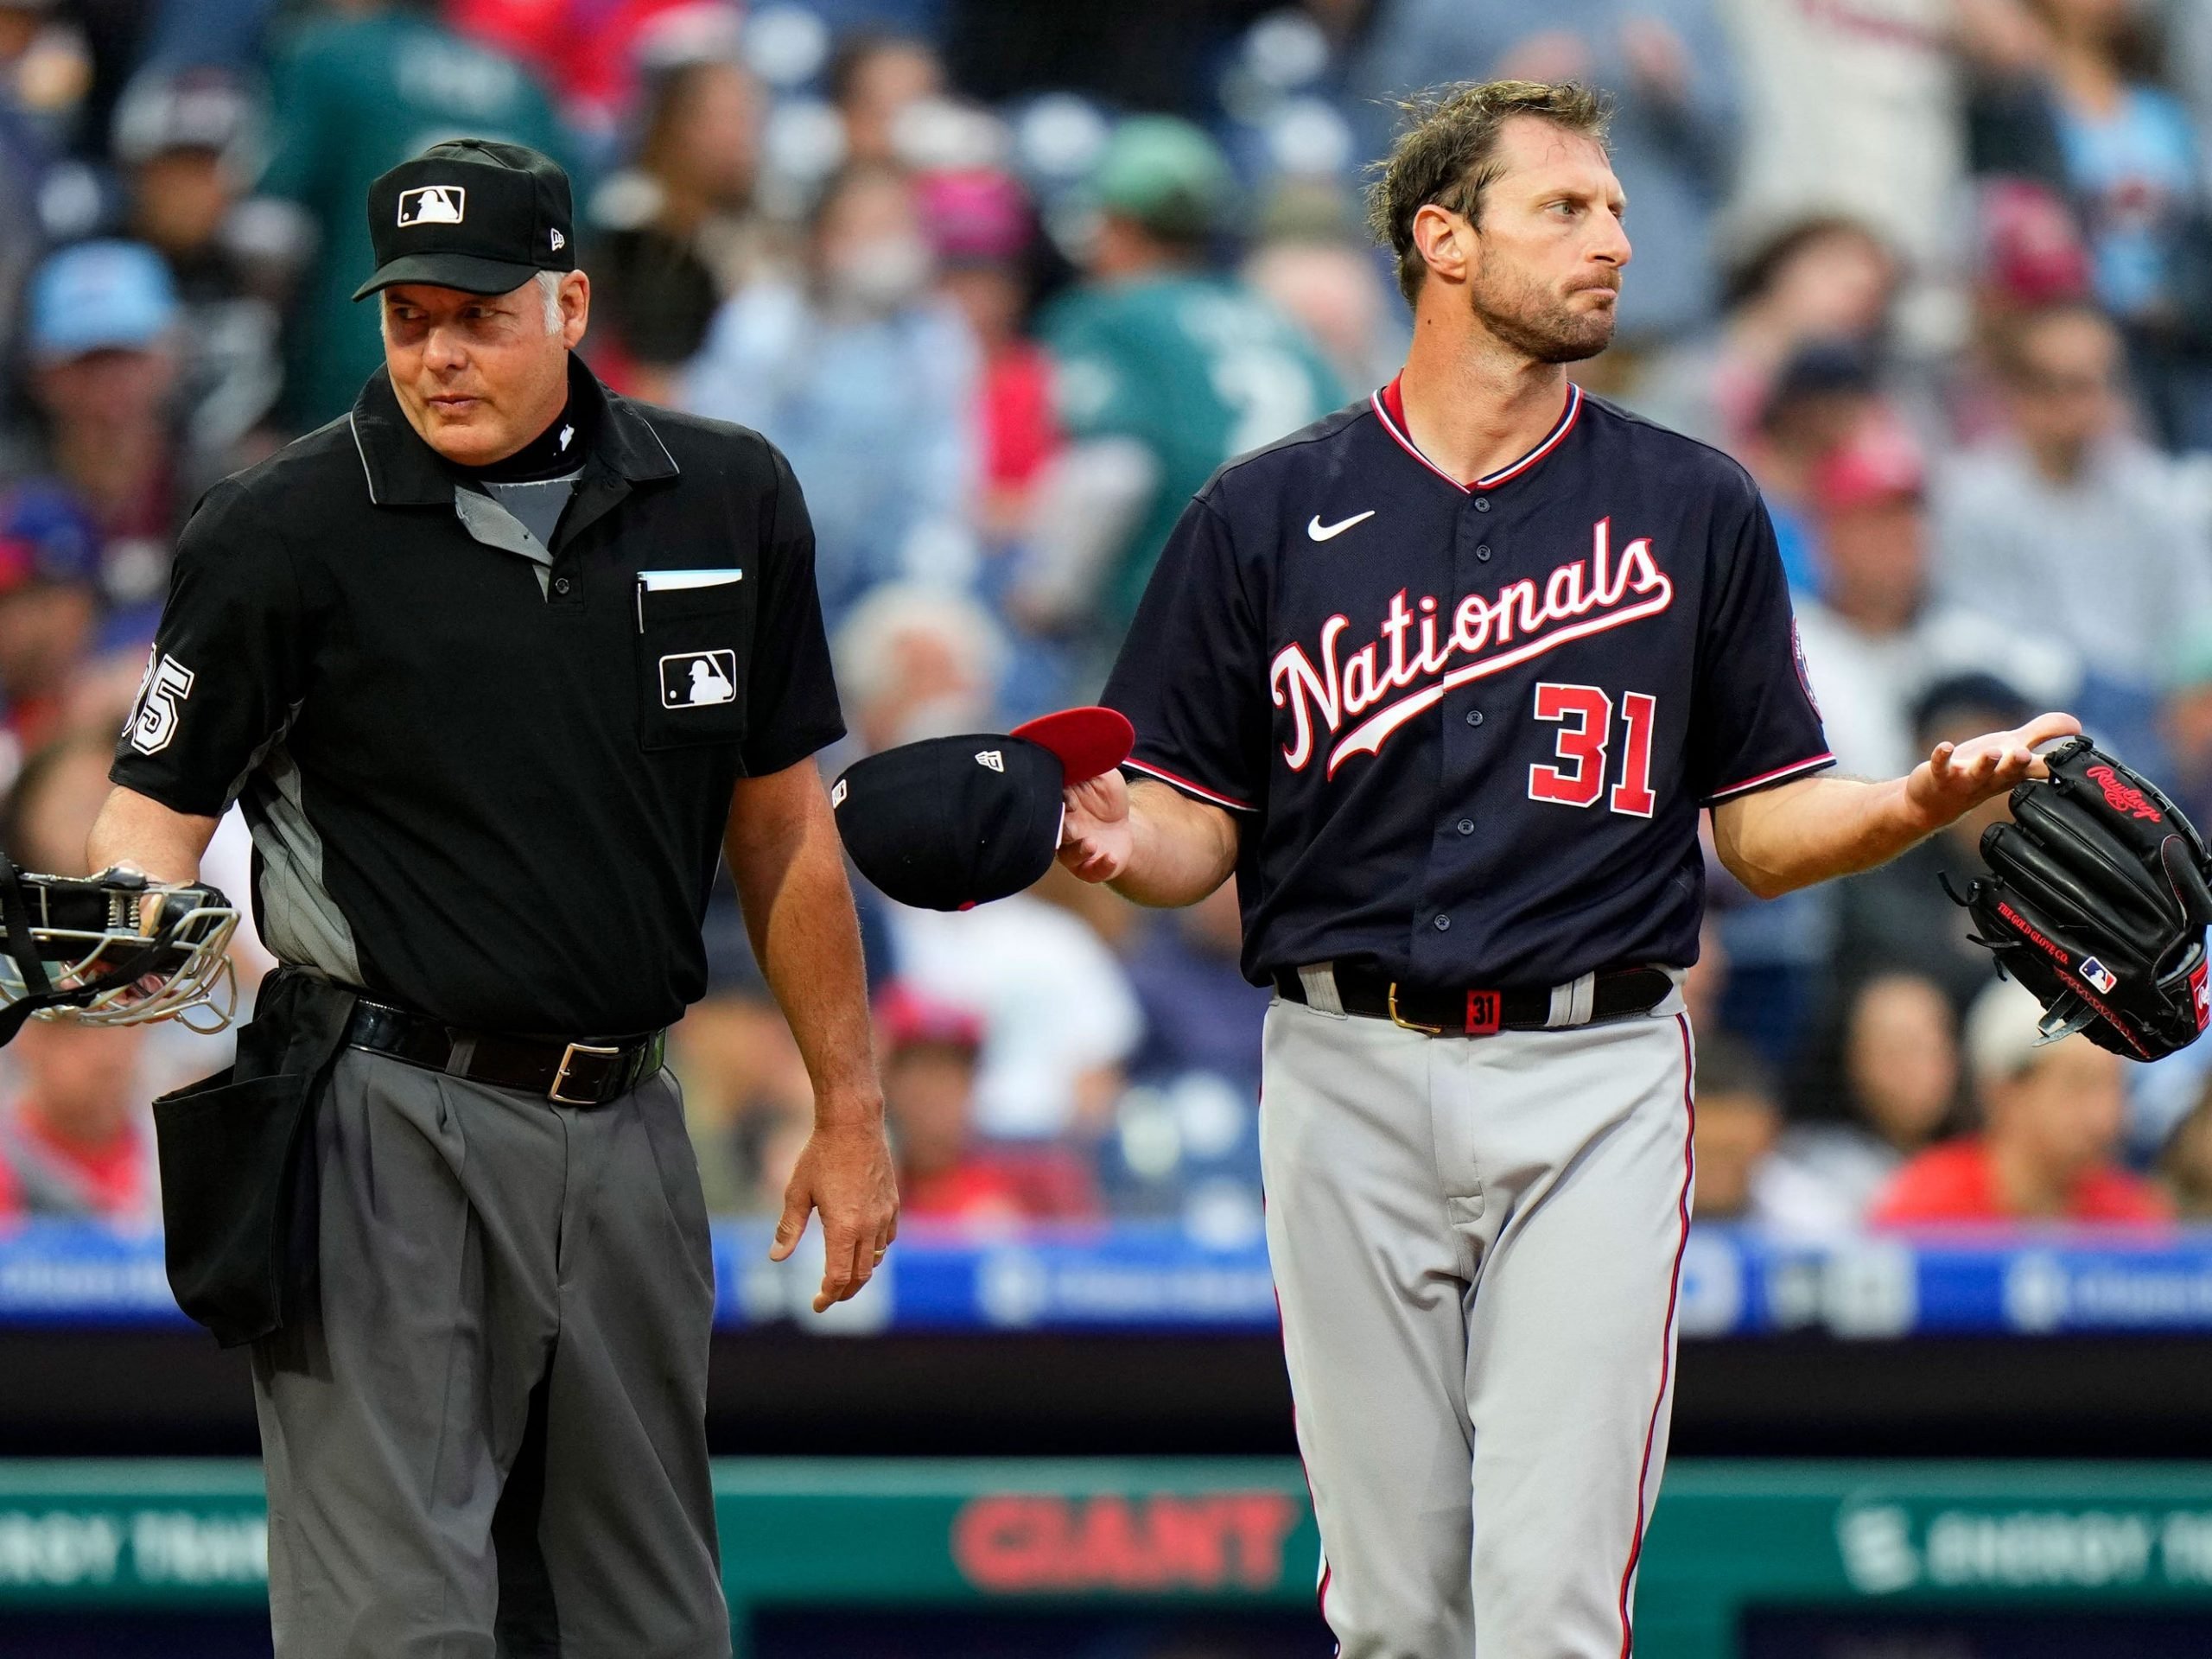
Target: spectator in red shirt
929, 1052
74, 1140
75, 1136
2051, 1118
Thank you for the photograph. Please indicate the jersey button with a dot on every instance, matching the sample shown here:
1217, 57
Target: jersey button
1474, 716
1466, 826
560, 585
1444, 924
1483, 552
1482, 504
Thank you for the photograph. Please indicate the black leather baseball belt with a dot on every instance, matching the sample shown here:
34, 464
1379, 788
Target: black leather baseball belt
566, 1073
1477, 1010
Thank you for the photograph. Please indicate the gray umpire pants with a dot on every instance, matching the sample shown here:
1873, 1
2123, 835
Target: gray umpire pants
491, 1440
1477, 1246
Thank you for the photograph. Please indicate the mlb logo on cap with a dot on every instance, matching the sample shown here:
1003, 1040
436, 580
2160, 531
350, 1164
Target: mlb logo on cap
470, 213
435, 204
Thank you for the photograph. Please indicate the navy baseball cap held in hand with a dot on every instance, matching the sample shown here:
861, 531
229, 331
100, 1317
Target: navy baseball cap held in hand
951, 823
472, 214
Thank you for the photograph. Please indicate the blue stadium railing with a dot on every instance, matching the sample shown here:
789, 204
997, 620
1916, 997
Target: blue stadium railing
1155, 1277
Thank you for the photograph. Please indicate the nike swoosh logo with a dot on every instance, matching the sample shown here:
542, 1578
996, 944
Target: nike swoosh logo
1321, 532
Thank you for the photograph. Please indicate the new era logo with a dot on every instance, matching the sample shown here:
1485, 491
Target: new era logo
992, 758
433, 204
559, 240
698, 679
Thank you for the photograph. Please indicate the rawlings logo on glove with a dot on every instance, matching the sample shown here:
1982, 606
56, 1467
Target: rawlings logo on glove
2122, 798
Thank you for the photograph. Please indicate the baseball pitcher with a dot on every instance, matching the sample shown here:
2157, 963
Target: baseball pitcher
1445, 681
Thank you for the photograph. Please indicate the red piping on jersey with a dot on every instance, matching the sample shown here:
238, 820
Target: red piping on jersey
1184, 783
1774, 777
1390, 406
1283, 1340
1667, 1331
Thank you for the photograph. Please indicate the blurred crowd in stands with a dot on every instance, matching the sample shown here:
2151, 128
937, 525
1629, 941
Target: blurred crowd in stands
1007, 280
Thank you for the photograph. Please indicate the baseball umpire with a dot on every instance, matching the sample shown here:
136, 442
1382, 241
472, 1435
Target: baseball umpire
500, 666
1445, 681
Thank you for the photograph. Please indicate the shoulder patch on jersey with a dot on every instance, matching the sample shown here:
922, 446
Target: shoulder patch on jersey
1804, 674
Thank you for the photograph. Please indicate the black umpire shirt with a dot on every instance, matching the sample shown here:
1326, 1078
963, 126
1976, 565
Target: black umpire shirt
487, 776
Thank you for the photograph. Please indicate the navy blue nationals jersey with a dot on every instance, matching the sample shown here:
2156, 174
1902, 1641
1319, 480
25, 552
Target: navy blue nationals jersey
1466, 730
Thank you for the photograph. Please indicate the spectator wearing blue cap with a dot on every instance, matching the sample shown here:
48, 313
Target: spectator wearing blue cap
101, 345
49, 604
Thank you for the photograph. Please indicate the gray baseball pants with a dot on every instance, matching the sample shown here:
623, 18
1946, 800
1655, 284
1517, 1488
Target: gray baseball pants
1477, 1245
491, 1440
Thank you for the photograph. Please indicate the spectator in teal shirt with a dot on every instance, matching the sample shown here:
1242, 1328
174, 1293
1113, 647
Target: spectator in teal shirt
1163, 371
357, 93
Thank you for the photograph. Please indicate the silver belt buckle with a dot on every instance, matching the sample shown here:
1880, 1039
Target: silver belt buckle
568, 1058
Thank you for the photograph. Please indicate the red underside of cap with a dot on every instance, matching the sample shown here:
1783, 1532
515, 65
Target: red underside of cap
1087, 740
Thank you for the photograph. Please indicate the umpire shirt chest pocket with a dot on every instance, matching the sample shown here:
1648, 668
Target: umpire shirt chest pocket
695, 649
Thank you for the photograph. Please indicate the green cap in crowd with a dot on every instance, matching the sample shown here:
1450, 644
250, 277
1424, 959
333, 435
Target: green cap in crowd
1165, 175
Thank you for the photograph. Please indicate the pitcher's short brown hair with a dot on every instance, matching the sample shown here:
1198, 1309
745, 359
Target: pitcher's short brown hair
1446, 153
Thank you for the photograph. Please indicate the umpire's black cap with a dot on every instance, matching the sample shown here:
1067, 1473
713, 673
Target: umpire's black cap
472, 214
952, 822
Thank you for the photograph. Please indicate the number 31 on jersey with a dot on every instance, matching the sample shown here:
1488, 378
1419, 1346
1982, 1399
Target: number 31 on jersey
1585, 717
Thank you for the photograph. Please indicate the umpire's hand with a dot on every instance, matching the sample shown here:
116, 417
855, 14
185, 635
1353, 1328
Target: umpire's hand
844, 1173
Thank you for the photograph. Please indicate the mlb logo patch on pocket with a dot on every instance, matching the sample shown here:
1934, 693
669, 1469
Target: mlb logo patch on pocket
698, 679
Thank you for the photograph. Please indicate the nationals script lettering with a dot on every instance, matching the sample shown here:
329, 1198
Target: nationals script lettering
1522, 621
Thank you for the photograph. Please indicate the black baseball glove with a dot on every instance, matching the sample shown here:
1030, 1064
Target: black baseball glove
2096, 901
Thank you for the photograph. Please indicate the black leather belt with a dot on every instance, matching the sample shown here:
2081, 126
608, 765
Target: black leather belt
1471, 1011
567, 1074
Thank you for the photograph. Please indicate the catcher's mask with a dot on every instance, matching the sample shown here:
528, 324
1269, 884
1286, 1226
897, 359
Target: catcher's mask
92, 949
